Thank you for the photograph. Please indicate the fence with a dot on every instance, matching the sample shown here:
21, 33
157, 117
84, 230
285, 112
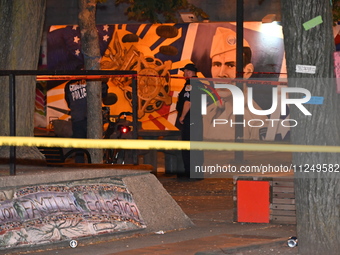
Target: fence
65, 75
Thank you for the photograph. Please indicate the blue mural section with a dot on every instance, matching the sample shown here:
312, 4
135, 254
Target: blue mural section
64, 46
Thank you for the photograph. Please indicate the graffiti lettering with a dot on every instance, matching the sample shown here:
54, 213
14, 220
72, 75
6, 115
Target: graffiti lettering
43, 204
116, 205
48, 212
8, 213
37, 205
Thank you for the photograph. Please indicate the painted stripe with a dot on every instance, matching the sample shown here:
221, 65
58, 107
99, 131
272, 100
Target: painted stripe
189, 41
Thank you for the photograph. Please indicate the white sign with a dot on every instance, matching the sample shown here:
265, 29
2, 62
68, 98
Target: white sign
305, 69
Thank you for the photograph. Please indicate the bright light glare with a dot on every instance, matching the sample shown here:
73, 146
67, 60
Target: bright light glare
273, 29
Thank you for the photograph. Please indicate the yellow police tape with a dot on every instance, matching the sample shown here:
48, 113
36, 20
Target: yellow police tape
158, 144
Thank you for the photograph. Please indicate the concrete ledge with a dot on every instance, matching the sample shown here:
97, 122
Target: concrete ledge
158, 208
43, 175
51, 205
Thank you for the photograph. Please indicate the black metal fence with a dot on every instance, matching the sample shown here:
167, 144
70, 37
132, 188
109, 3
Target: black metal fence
68, 75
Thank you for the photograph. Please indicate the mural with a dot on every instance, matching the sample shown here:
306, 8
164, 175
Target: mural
51, 213
128, 52
157, 51
40, 105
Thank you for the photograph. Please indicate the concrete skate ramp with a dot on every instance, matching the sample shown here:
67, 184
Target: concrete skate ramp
52, 205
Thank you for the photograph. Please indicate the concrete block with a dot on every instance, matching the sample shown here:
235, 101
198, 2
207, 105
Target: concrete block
158, 209
78, 203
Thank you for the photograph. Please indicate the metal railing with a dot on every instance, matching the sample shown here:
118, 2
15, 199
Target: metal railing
63, 75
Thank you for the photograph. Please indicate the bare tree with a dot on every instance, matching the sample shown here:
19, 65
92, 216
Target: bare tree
317, 191
21, 26
91, 52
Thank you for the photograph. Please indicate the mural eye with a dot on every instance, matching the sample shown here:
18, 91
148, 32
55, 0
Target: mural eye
230, 65
217, 64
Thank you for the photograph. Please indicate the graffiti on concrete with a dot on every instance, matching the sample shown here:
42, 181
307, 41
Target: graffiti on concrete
49, 213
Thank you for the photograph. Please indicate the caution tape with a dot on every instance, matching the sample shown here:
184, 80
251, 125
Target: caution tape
142, 144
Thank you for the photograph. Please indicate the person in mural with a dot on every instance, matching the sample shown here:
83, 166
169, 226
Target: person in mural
76, 99
189, 121
223, 57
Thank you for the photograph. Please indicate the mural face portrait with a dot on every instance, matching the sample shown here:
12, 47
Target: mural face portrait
223, 57
224, 65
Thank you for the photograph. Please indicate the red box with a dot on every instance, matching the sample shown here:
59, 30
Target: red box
253, 201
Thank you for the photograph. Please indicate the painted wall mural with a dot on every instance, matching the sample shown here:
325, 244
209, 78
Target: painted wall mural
157, 51
59, 212
152, 50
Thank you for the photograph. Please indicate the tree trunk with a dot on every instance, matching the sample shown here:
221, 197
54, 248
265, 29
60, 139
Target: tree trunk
317, 191
91, 52
21, 26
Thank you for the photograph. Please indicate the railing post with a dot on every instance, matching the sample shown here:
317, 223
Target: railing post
134, 115
239, 132
12, 123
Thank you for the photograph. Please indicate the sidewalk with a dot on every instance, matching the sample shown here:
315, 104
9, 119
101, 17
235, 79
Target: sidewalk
209, 204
